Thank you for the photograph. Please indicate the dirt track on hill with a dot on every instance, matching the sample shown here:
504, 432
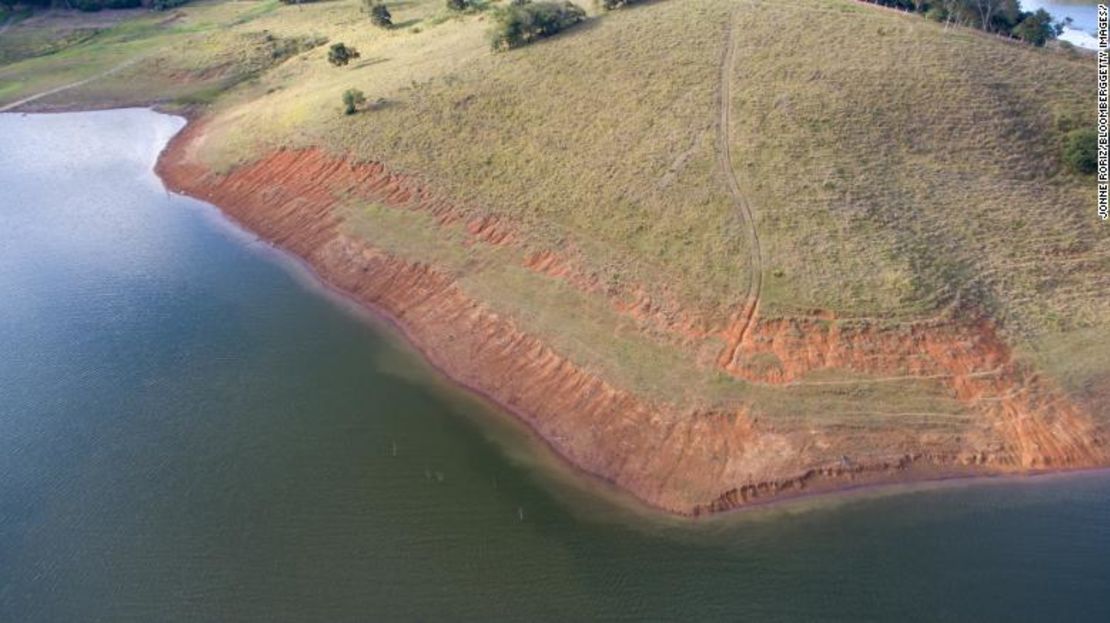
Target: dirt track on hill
72, 85
743, 320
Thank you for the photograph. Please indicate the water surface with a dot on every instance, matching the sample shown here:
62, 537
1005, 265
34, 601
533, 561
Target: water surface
191, 430
1083, 13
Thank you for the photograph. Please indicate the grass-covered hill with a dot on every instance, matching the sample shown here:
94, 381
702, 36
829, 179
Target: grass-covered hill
887, 169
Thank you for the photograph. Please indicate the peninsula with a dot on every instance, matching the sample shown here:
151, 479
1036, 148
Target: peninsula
716, 252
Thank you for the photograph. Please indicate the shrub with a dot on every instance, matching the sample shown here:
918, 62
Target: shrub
122, 4
381, 16
521, 24
937, 14
1081, 150
88, 6
352, 99
379, 13
458, 5
283, 47
339, 54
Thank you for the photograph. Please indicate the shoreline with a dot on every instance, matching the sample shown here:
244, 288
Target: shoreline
557, 460
385, 322
808, 485
910, 487
811, 485
375, 315
586, 480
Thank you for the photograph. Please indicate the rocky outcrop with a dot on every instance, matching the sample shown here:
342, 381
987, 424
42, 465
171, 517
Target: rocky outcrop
682, 459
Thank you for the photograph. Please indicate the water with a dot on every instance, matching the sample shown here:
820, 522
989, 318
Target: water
1084, 15
190, 429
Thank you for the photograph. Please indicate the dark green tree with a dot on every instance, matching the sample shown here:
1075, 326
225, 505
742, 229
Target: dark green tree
379, 13
1036, 28
339, 54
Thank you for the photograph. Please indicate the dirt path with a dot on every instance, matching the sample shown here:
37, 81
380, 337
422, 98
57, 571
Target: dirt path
743, 206
71, 85
896, 379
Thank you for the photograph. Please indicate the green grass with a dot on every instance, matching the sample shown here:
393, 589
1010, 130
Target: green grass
533, 135
906, 164
862, 193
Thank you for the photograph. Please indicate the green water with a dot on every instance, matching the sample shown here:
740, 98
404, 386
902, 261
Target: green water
191, 430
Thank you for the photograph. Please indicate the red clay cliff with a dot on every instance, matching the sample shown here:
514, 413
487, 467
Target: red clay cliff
685, 461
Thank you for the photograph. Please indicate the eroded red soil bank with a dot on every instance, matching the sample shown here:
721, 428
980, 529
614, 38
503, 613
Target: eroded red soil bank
684, 460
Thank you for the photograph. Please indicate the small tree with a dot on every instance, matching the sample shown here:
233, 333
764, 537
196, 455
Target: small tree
1081, 150
1037, 28
379, 13
352, 99
458, 5
339, 54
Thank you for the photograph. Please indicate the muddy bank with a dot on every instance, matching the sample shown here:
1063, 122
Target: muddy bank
682, 460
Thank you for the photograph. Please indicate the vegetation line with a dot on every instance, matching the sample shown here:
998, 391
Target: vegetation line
724, 162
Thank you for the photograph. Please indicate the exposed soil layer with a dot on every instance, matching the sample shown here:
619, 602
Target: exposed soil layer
683, 459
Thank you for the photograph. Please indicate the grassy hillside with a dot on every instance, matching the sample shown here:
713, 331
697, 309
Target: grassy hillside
893, 168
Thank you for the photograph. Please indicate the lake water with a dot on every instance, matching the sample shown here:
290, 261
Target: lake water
191, 430
1084, 15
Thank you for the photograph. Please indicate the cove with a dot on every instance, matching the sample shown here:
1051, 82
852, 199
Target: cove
192, 429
